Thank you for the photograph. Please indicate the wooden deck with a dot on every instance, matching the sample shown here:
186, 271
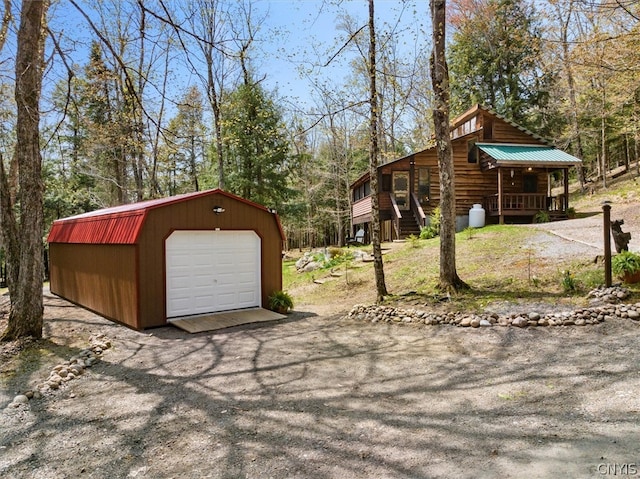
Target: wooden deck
524, 204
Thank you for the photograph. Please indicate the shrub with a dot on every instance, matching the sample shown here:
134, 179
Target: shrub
568, 282
433, 230
541, 217
625, 262
280, 301
414, 241
427, 232
338, 259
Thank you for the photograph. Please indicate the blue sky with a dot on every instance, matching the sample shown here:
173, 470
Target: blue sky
302, 33
295, 34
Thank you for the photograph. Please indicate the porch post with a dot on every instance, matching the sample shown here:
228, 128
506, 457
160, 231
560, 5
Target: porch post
565, 177
412, 176
500, 215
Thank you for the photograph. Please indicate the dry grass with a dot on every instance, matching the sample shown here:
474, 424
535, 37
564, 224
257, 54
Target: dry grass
498, 262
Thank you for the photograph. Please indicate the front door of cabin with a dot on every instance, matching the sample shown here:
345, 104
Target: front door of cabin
401, 189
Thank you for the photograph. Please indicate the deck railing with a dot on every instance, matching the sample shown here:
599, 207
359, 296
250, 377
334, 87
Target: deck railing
361, 207
395, 215
525, 202
417, 210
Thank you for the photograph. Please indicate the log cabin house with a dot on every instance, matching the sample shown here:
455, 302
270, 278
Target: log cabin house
498, 164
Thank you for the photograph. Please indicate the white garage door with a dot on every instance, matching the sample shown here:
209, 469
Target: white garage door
210, 271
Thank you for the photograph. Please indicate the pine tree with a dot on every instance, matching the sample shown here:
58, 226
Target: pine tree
495, 58
257, 150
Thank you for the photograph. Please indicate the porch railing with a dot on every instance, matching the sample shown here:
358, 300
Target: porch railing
395, 215
361, 207
417, 210
525, 202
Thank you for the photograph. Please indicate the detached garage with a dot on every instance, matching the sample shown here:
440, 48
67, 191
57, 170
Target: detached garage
146, 263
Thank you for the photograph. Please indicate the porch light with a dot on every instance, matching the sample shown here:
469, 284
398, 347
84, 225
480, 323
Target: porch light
512, 173
218, 209
529, 169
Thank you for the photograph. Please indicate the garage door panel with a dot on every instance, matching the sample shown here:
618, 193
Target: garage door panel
181, 307
209, 271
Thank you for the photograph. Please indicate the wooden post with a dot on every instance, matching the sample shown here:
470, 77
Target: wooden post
500, 215
565, 175
606, 208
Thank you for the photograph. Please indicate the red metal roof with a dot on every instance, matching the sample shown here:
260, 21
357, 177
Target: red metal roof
122, 224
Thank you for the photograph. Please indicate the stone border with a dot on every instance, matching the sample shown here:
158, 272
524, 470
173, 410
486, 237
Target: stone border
67, 371
578, 317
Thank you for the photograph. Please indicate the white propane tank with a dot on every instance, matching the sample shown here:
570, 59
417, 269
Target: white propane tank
476, 216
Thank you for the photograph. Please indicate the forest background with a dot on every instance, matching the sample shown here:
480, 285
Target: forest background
269, 100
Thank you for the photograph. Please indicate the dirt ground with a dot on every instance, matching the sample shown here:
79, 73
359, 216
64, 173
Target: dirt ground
320, 396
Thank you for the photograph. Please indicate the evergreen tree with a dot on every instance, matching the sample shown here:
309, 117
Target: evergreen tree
103, 139
186, 145
495, 58
257, 150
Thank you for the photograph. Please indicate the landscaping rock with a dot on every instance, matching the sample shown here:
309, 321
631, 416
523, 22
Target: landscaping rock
520, 322
579, 317
63, 373
21, 399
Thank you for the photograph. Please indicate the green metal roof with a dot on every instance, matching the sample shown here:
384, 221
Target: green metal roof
528, 154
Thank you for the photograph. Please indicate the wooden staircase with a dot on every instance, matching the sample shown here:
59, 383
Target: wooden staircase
408, 225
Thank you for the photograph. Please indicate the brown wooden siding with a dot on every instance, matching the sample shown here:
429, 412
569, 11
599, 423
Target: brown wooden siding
99, 277
197, 214
126, 283
471, 182
361, 207
504, 132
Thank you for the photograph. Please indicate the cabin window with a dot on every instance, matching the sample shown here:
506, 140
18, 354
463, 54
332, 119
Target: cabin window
487, 128
530, 183
386, 183
362, 191
423, 186
472, 151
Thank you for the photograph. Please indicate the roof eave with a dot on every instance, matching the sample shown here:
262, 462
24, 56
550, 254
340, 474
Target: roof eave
537, 164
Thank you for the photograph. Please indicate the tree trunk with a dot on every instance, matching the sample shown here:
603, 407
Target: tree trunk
449, 280
603, 143
381, 287
23, 237
575, 125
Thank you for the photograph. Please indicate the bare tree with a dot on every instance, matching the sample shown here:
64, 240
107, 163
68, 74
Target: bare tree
564, 15
381, 287
449, 280
210, 24
22, 226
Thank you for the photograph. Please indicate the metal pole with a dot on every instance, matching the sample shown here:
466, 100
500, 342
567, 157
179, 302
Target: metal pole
606, 208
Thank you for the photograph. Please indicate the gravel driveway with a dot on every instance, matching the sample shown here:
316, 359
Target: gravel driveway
326, 397
588, 232
321, 396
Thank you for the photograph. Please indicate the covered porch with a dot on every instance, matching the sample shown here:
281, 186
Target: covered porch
525, 204
525, 176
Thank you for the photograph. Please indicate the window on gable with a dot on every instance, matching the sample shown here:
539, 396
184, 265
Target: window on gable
472, 151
